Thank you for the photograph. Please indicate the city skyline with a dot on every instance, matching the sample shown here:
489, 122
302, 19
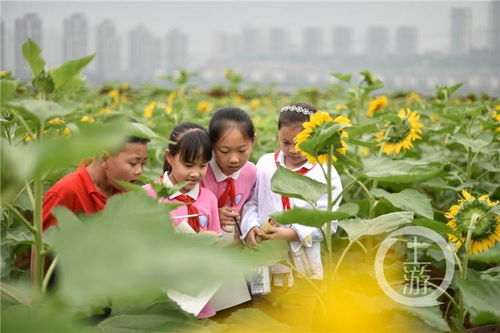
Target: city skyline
120, 51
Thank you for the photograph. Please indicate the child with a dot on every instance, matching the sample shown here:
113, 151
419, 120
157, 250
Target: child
230, 176
186, 160
304, 241
88, 188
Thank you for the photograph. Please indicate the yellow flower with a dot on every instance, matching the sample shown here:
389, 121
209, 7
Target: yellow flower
474, 214
497, 107
87, 119
148, 110
168, 109
171, 98
364, 151
204, 106
237, 99
3, 74
67, 131
340, 107
124, 86
376, 105
254, 103
313, 127
105, 111
115, 93
56, 121
434, 117
412, 97
28, 138
396, 137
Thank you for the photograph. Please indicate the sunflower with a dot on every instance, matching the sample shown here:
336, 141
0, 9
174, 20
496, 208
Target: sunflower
400, 136
313, 127
485, 226
376, 105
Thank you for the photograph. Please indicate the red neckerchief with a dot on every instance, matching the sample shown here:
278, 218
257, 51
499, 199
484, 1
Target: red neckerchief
193, 221
229, 193
286, 200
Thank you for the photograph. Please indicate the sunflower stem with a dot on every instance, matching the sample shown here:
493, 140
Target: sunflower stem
329, 207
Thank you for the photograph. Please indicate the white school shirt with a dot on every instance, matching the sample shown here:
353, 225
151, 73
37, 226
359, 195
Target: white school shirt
264, 202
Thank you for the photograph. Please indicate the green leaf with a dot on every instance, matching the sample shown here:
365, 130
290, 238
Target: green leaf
360, 142
309, 217
141, 323
408, 199
432, 316
437, 226
31, 53
67, 71
356, 131
350, 208
7, 90
41, 110
318, 144
143, 131
481, 300
343, 77
403, 171
146, 254
356, 228
291, 184
491, 256
482, 141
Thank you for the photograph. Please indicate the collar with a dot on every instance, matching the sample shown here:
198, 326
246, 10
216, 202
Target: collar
193, 193
281, 160
219, 175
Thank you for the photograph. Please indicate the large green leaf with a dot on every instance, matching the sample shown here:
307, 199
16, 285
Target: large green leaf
7, 90
310, 217
291, 184
67, 71
343, 77
130, 251
143, 131
329, 136
142, 323
481, 299
408, 199
491, 256
430, 315
31, 53
437, 226
356, 131
388, 170
482, 141
357, 227
41, 110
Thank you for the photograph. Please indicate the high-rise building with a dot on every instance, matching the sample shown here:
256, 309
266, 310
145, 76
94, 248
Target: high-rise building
144, 53
406, 40
377, 41
108, 58
225, 45
28, 26
279, 43
176, 50
251, 44
460, 30
342, 41
312, 41
75, 37
494, 26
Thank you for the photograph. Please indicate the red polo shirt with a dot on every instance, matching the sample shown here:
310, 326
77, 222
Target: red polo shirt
77, 192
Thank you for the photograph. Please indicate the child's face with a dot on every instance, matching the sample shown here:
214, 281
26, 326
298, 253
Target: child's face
286, 135
186, 172
232, 151
127, 165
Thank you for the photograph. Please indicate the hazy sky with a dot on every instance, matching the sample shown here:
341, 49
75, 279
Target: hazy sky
201, 19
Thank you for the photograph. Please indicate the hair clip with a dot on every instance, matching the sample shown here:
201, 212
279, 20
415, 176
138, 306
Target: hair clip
296, 108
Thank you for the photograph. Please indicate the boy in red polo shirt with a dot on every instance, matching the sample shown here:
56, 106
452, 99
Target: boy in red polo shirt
88, 188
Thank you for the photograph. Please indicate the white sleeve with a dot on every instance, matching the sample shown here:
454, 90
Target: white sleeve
250, 213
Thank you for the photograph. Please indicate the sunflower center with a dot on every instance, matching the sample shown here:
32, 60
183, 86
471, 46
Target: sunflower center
398, 132
477, 209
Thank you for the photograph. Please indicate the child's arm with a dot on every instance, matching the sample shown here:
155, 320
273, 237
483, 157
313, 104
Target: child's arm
250, 227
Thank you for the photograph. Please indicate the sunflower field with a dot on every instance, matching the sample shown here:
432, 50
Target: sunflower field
405, 160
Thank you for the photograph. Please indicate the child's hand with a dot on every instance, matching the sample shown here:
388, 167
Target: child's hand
280, 233
208, 232
252, 236
226, 217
